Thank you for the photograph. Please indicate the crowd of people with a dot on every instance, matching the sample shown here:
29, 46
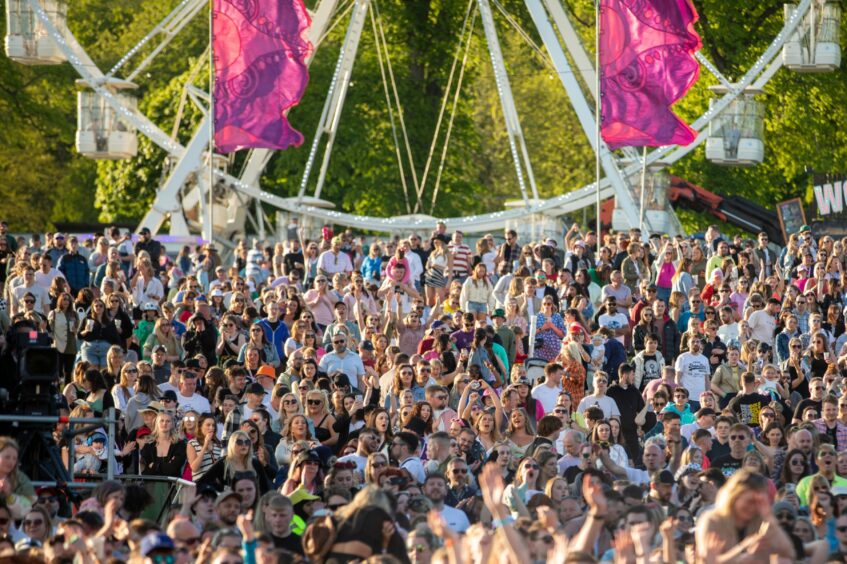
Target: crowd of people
423, 399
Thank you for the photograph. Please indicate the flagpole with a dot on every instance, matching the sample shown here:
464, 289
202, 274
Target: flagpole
643, 189
597, 109
211, 228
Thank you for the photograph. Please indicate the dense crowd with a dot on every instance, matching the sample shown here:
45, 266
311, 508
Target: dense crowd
429, 400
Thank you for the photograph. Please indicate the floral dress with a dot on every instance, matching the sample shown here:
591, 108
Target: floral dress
550, 342
573, 381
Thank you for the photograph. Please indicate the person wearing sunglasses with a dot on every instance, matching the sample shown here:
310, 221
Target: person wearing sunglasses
238, 460
740, 438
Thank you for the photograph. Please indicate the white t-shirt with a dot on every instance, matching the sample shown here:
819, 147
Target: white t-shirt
692, 370
728, 333
762, 325
547, 396
195, 402
415, 467
607, 404
614, 322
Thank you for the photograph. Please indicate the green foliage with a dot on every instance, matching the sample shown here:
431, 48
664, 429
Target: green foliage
46, 181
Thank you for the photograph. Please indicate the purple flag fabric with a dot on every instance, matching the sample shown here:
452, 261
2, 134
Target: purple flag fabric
647, 63
260, 51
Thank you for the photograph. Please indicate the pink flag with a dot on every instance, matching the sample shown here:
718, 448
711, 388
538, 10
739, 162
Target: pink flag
647, 63
260, 51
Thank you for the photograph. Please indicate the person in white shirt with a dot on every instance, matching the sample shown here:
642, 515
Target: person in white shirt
187, 396
344, 360
548, 392
334, 260
692, 370
762, 322
45, 275
728, 330
256, 397
404, 447
367, 445
145, 287
599, 398
705, 420
435, 489
42, 298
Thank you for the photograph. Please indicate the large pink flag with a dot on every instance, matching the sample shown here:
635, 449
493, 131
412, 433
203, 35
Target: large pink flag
260, 51
647, 63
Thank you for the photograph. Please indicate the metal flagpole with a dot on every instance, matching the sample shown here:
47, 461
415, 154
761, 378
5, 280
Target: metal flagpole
643, 188
597, 109
210, 229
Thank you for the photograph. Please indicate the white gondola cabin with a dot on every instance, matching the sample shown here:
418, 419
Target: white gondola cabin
815, 45
27, 40
101, 132
736, 134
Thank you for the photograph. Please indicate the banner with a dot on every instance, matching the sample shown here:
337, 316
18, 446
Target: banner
647, 64
260, 51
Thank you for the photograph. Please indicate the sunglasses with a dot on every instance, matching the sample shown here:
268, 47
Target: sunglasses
314, 402
379, 465
289, 402
243, 442
460, 470
737, 437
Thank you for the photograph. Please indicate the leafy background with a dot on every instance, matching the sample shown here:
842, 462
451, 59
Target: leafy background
46, 182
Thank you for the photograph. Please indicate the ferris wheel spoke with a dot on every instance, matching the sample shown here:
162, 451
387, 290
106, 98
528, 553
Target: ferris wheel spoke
168, 28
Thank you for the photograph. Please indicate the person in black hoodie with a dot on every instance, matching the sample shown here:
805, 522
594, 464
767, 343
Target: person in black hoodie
200, 338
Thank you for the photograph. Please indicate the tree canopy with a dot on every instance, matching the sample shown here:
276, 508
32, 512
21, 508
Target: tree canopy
46, 181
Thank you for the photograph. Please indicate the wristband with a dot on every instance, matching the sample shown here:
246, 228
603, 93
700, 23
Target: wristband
497, 523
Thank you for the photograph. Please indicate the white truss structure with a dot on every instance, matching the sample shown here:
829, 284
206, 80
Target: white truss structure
559, 38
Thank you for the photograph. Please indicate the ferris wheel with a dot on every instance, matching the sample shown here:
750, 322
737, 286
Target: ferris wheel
109, 120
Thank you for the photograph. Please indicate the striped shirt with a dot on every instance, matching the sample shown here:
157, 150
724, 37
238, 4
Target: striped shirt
461, 258
209, 458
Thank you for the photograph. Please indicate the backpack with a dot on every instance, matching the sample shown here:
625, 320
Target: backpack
319, 537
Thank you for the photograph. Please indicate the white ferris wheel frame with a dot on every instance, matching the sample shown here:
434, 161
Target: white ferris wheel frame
548, 17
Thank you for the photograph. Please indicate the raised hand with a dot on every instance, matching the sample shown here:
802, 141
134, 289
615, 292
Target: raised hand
491, 484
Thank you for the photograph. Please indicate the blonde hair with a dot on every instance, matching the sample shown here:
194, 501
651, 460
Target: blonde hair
740, 482
232, 456
173, 435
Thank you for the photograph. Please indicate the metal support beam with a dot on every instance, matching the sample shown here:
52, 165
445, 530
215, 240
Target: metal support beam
169, 28
167, 201
507, 101
623, 195
259, 158
334, 104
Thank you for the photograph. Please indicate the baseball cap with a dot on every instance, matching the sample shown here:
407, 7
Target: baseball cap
149, 306
153, 406
217, 293
225, 495
156, 541
266, 370
663, 477
300, 495
366, 345
256, 388
193, 364
142, 432
169, 395
805, 228
499, 312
